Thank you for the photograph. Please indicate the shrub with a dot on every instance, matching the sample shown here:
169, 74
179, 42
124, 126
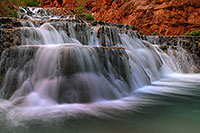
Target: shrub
193, 33
31, 2
153, 34
81, 7
88, 16
132, 27
7, 9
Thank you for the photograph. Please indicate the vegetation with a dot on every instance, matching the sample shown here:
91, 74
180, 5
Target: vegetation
31, 2
88, 16
153, 34
193, 33
82, 10
8, 7
133, 27
81, 7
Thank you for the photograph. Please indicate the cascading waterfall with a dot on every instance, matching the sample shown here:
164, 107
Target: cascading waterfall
78, 73
145, 64
45, 34
64, 69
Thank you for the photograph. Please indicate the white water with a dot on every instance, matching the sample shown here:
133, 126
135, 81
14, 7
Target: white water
65, 80
35, 13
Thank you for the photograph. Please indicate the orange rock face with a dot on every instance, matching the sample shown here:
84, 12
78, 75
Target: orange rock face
161, 17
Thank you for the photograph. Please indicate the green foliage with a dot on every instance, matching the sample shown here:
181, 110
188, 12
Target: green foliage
153, 34
31, 2
88, 16
133, 27
81, 7
12, 13
8, 7
101, 19
193, 33
193, 28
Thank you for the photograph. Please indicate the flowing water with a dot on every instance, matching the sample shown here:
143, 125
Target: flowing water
61, 79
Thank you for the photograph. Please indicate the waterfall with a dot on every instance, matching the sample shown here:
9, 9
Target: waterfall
54, 63
66, 70
45, 34
73, 73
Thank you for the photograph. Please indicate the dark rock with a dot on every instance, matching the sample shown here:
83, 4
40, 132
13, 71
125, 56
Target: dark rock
8, 22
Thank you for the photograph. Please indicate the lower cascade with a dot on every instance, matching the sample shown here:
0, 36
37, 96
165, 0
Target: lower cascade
66, 71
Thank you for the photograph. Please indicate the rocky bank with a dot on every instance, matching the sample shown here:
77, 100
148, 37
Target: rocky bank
160, 17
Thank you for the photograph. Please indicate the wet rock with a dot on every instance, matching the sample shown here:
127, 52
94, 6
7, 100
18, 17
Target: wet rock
8, 22
190, 44
95, 23
14, 58
9, 37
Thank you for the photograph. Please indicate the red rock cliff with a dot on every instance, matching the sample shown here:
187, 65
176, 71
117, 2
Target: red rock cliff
163, 17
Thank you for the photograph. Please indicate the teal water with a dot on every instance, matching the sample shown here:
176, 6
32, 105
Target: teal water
170, 105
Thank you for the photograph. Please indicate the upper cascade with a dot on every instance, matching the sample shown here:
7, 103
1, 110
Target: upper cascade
35, 13
43, 14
